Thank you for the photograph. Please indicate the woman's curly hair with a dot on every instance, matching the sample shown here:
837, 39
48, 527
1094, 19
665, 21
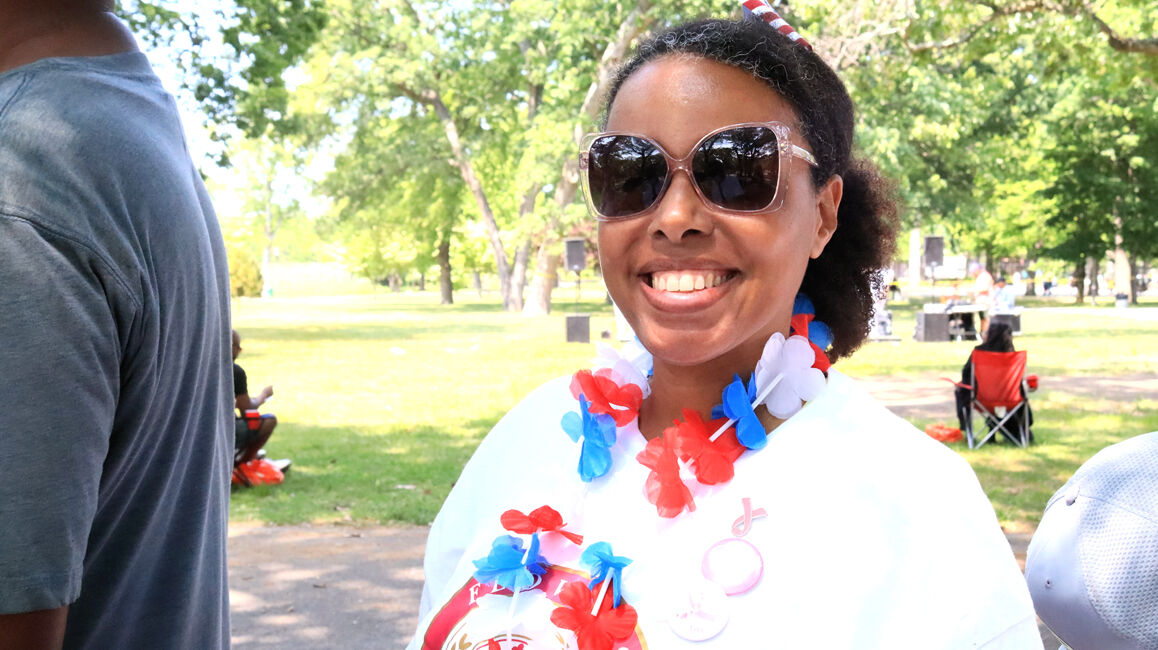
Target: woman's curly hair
844, 281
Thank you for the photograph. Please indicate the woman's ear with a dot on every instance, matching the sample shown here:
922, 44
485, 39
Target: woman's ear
827, 204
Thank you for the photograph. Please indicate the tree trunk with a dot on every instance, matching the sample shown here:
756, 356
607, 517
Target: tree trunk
1133, 262
547, 262
546, 278
476, 280
445, 285
523, 253
1092, 275
462, 161
1031, 285
395, 282
519, 275
421, 281
1123, 271
1080, 280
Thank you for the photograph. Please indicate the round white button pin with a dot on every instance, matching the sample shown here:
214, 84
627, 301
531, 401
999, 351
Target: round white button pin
700, 612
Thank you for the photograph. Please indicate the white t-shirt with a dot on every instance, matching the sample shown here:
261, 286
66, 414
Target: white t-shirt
876, 536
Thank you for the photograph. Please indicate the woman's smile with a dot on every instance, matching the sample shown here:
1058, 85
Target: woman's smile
685, 281
686, 291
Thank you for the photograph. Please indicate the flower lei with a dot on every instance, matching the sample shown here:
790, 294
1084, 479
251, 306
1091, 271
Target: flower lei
597, 621
790, 371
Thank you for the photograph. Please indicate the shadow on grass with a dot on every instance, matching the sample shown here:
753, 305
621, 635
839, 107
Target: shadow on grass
562, 300
386, 331
400, 474
560, 304
1019, 482
1075, 417
471, 307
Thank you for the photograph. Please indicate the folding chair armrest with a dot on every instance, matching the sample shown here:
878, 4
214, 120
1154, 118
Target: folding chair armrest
957, 383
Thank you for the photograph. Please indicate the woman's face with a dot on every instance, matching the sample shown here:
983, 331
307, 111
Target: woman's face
760, 257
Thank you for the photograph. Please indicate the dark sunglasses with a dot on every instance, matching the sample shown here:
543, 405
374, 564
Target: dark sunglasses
735, 169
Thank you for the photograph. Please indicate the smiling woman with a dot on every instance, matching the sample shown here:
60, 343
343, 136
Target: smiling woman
754, 495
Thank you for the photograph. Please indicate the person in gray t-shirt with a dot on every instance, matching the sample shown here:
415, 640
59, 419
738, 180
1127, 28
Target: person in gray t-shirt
115, 436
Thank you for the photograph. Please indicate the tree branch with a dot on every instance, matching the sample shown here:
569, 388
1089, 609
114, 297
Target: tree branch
1145, 46
631, 27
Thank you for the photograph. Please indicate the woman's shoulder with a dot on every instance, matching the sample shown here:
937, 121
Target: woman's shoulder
846, 421
532, 425
546, 404
523, 448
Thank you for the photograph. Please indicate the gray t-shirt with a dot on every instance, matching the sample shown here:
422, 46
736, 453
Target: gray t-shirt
115, 432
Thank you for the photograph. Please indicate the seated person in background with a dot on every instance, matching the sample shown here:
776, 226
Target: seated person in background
1003, 298
1092, 568
249, 439
999, 339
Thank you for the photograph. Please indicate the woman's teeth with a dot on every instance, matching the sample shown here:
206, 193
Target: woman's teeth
685, 280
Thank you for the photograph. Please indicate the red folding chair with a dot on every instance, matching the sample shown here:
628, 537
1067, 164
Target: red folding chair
996, 386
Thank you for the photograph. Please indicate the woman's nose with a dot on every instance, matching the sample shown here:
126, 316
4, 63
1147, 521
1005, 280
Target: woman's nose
680, 213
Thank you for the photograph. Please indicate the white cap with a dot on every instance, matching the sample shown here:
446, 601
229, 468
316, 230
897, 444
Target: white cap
1092, 566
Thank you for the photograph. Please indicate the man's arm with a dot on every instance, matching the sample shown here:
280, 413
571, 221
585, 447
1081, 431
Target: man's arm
61, 330
39, 630
244, 402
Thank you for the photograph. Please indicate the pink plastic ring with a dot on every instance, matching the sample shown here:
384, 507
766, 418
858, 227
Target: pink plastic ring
734, 564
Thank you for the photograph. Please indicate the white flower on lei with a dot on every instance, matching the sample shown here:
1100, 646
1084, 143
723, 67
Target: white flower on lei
631, 364
792, 358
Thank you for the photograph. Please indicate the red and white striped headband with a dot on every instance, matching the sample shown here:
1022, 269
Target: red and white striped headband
764, 11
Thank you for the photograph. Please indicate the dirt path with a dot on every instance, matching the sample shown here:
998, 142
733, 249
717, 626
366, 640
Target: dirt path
930, 397
318, 587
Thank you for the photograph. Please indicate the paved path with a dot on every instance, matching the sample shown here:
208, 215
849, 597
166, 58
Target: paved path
318, 587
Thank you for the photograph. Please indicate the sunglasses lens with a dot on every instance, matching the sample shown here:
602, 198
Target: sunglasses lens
738, 169
625, 175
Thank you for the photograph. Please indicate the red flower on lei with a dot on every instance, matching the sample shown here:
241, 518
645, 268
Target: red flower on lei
602, 393
712, 462
799, 326
665, 488
543, 519
598, 632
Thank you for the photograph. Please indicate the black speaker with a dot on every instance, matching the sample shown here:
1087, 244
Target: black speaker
578, 328
934, 250
575, 254
932, 327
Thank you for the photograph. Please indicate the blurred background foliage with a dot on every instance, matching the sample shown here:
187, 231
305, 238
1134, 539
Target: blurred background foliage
409, 138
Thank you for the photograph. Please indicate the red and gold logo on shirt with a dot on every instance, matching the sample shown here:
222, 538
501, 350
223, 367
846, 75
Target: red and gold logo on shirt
480, 617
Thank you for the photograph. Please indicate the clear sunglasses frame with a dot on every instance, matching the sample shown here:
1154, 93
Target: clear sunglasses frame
785, 150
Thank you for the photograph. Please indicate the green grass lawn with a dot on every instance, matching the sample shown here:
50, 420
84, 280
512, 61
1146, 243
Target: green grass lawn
382, 398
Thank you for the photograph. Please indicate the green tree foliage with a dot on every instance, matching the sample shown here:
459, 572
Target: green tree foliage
1018, 127
409, 210
244, 272
240, 87
1105, 183
960, 102
502, 80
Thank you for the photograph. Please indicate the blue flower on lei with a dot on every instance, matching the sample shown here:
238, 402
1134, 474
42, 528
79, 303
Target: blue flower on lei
511, 566
820, 334
598, 433
737, 406
602, 564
